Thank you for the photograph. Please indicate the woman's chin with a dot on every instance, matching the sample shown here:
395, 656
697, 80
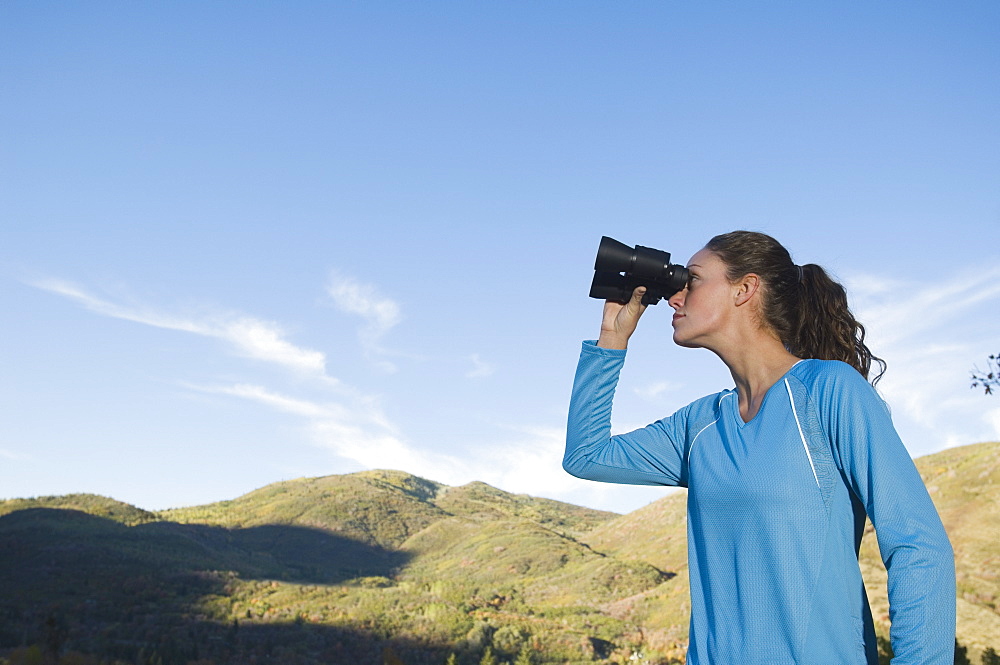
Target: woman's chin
679, 340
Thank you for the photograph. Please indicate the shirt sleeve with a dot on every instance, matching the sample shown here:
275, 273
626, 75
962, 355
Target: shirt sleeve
652, 455
914, 546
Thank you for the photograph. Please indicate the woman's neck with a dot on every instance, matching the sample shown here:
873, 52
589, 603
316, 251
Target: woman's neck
755, 367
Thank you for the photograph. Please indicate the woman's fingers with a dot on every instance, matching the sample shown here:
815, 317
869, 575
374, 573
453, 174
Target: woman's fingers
621, 320
635, 303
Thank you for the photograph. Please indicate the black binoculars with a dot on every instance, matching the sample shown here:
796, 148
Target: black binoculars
620, 268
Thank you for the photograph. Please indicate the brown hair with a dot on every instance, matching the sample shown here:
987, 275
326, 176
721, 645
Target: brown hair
805, 307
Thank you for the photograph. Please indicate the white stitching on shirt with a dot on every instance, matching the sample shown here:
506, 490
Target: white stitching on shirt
691, 447
801, 435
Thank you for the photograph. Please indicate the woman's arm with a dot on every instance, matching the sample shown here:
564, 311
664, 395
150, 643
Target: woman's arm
649, 456
911, 538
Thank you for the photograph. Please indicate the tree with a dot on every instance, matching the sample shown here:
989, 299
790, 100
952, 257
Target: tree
488, 658
507, 640
389, 657
989, 379
524, 657
884, 650
961, 655
990, 657
56, 633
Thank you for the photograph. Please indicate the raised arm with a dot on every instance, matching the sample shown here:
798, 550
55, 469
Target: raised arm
652, 455
649, 456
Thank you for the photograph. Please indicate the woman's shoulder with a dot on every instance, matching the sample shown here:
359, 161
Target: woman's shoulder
817, 367
707, 408
823, 377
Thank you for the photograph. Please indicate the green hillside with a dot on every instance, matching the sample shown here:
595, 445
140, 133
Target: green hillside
91, 504
341, 567
965, 486
382, 565
381, 508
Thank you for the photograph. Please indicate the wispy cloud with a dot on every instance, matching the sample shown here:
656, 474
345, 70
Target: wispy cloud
379, 313
14, 456
480, 368
526, 459
655, 390
334, 416
931, 335
529, 460
355, 429
992, 418
262, 395
264, 340
349, 423
898, 312
250, 337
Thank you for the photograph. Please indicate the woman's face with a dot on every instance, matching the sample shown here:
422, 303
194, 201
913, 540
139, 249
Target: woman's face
705, 305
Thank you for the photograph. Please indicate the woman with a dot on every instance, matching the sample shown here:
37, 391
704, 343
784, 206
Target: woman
780, 472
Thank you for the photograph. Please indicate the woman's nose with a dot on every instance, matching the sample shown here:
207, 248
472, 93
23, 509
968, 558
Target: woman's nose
677, 300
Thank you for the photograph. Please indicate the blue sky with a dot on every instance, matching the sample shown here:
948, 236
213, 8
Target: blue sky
248, 242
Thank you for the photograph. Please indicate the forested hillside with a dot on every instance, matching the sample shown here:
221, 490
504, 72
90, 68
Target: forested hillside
385, 567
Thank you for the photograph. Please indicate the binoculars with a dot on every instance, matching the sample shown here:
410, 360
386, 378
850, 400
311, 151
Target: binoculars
620, 268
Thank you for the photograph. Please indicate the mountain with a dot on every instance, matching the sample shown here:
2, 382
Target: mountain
383, 566
334, 569
381, 507
92, 504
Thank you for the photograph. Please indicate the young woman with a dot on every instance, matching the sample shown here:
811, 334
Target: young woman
781, 472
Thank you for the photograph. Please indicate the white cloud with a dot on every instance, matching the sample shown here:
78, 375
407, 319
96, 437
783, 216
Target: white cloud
480, 368
350, 424
653, 391
278, 402
867, 285
250, 337
353, 426
931, 335
264, 340
529, 461
135, 314
355, 430
896, 312
374, 449
364, 300
14, 456
379, 313
992, 419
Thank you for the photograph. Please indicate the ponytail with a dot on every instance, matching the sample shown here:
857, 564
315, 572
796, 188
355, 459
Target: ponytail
826, 328
804, 307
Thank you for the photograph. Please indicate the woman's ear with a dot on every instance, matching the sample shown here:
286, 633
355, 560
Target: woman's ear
746, 288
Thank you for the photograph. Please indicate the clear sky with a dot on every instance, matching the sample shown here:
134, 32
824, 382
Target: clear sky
248, 242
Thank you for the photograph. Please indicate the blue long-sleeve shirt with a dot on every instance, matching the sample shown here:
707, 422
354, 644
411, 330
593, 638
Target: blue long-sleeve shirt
776, 511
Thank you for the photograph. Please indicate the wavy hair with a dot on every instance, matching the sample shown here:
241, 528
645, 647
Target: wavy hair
807, 310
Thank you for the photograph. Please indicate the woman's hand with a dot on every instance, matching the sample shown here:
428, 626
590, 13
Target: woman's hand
620, 320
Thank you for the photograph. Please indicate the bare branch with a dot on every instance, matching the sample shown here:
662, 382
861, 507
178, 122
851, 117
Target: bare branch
989, 379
